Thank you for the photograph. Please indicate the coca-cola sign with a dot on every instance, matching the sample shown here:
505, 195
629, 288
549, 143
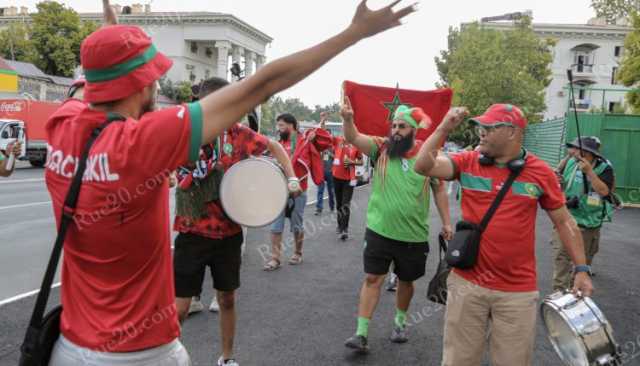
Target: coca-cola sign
11, 107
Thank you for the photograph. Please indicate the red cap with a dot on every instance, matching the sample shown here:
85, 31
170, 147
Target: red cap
499, 114
118, 61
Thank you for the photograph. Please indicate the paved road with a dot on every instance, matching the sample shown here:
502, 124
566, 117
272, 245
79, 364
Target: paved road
301, 315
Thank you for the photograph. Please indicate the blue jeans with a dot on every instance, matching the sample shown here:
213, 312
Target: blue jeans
328, 182
297, 217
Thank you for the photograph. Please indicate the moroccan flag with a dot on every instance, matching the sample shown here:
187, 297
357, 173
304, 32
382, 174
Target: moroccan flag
373, 106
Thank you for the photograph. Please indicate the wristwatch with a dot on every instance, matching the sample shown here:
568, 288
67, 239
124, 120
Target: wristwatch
582, 268
293, 184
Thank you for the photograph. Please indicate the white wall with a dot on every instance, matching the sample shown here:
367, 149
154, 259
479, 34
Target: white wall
603, 60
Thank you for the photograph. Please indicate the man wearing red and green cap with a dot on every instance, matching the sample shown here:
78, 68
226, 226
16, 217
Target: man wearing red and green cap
118, 293
397, 217
497, 298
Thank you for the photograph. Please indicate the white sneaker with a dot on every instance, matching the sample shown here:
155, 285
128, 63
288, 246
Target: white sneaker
230, 362
214, 307
196, 305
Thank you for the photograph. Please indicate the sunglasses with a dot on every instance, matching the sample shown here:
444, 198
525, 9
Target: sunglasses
488, 130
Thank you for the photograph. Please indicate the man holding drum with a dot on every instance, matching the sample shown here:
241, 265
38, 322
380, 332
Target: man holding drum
116, 269
207, 236
496, 299
397, 217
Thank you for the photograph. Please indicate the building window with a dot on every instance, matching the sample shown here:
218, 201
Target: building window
582, 93
614, 73
617, 51
614, 107
194, 47
208, 52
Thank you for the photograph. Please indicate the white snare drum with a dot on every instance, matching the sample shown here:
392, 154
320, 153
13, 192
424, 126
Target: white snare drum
254, 192
578, 330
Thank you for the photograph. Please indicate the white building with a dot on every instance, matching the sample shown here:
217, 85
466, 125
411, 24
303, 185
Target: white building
201, 44
593, 51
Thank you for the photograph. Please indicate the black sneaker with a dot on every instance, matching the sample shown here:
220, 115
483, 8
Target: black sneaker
357, 342
344, 236
318, 212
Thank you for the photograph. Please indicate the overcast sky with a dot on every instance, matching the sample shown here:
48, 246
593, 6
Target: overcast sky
404, 55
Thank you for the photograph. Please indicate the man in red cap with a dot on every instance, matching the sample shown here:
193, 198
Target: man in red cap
118, 293
500, 291
397, 217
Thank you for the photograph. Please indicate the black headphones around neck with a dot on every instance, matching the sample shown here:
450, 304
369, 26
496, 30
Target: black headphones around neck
515, 165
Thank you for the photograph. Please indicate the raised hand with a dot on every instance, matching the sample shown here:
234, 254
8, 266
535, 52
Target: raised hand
367, 23
346, 111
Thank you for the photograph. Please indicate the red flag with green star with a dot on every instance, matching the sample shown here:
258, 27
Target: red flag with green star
373, 106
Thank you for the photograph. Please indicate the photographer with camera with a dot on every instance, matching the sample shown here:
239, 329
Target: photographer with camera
587, 180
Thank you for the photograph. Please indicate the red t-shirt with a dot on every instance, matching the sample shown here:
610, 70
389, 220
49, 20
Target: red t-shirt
506, 261
343, 151
290, 147
245, 142
117, 278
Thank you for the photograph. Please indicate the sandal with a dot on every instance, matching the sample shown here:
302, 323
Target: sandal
295, 259
272, 265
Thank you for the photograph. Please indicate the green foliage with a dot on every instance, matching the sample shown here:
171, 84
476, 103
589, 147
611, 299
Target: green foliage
276, 106
612, 10
52, 42
629, 73
486, 66
15, 43
180, 92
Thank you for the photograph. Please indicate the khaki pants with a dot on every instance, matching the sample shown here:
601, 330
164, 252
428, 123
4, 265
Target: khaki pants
562, 264
475, 314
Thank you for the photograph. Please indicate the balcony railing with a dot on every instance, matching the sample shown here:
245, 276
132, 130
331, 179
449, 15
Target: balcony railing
583, 68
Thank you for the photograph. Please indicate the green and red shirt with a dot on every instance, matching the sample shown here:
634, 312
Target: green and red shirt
117, 276
506, 261
238, 143
399, 202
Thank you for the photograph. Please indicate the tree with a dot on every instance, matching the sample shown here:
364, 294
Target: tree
56, 34
485, 66
180, 92
15, 43
629, 73
612, 10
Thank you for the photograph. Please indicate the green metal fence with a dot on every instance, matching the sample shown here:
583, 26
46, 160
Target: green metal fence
546, 140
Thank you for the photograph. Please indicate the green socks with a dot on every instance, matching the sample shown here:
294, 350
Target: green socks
363, 327
401, 318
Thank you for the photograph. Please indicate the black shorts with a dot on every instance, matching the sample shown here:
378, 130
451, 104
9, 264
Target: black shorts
193, 253
409, 259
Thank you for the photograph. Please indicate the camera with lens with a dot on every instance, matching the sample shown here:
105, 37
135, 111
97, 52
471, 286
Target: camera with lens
573, 202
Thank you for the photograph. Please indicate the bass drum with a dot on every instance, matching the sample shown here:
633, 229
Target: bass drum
578, 330
254, 192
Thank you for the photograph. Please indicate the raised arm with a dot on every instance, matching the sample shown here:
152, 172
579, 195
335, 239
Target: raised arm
361, 141
226, 106
429, 162
110, 16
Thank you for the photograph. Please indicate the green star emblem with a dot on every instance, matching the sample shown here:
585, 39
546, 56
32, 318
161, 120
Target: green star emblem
393, 105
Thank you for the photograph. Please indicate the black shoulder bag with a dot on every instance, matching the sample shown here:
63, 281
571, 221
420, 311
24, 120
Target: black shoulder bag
437, 290
44, 330
463, 249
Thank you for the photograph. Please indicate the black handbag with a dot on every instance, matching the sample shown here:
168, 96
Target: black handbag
437, 290
465, 245
44, 330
